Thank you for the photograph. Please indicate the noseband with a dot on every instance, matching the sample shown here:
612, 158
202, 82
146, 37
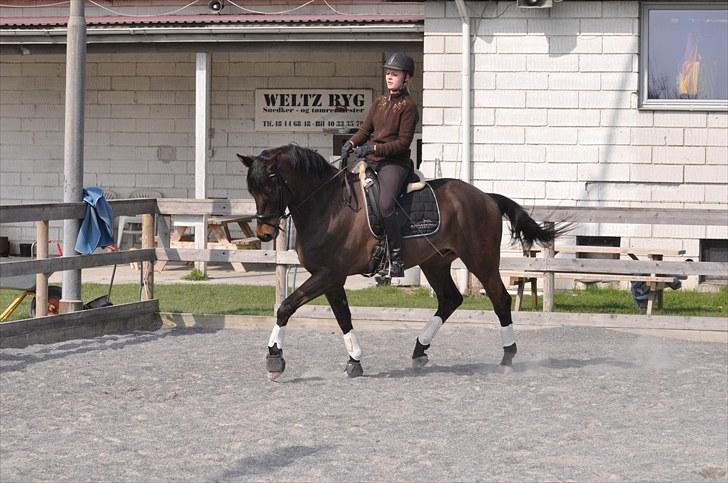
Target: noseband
262, 218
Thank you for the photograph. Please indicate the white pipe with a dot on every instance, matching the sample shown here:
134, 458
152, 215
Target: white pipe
465, 87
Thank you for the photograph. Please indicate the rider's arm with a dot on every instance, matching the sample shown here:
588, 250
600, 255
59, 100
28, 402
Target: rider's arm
366, 129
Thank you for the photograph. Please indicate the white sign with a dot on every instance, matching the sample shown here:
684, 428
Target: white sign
310, 109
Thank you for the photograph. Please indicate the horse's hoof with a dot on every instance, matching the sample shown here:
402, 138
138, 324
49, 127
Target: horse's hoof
272, 376
275, 364
420, 362
502, 369
354, 369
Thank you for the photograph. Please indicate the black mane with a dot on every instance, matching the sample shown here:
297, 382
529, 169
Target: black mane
303, 161
308, 162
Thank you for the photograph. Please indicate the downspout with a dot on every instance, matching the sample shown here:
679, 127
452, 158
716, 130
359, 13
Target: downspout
466, 88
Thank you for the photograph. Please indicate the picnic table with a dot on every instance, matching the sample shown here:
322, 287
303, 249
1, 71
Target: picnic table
218, 235
655, 282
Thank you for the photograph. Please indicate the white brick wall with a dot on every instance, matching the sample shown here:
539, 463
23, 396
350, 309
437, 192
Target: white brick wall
140, 116
555, 94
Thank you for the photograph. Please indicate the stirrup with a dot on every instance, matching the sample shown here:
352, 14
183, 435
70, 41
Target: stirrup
396, 268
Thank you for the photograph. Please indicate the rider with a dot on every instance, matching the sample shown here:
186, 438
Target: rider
389, 126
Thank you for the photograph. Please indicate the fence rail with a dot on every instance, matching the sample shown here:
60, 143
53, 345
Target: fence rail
282, 257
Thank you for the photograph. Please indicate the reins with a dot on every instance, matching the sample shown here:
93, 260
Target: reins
260, 219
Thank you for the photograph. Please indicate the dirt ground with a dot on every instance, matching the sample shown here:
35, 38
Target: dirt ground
583, 404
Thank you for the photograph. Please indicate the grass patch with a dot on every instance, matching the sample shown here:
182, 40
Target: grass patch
226, 299
195, 276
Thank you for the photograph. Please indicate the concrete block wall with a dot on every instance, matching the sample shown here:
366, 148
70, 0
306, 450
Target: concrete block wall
556, 121
140, 108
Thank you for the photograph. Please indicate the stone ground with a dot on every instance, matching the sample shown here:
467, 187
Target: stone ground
583, 404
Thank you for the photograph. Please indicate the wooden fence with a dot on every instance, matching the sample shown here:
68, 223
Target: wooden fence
156, 211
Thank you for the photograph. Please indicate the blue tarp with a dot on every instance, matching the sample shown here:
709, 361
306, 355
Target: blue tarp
97, 229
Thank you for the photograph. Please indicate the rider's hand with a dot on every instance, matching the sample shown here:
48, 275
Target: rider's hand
363, 151
346, 150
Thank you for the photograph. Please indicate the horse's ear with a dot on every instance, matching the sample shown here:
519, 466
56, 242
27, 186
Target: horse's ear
246, 160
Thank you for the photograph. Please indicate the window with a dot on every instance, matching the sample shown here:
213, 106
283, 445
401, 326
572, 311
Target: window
598, 241
713, 250
683, 62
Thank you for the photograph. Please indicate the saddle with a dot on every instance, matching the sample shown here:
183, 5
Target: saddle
417, 206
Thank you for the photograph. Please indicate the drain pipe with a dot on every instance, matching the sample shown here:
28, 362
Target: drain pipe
465, 112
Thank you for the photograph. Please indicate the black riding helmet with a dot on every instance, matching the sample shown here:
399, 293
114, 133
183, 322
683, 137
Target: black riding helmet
400, 61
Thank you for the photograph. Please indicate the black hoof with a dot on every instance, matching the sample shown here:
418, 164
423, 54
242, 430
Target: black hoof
353, 368
420, 362
508, 354
275, 364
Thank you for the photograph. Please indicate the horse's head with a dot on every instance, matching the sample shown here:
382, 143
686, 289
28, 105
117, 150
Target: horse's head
269, 189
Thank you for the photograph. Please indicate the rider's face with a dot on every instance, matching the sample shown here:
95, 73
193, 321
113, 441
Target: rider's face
395, 79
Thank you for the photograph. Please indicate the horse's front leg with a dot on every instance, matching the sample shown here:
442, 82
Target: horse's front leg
309, 290
340, 308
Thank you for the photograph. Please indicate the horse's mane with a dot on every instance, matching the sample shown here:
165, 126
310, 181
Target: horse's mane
307, 161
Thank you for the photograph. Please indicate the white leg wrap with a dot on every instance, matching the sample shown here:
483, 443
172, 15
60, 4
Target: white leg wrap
507, 335
433, 325
351, 341
277, 336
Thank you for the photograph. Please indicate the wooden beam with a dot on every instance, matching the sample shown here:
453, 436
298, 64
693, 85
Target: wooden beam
82, 324
185, 206
68, 211
61, 264
647, 216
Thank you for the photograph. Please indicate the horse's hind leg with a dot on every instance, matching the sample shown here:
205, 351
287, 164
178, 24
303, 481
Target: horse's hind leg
501, 299
448, 299
340, 307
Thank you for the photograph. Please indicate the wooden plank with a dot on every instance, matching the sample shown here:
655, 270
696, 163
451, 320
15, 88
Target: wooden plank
83, 324
61, 264
67, 211
618, 250
590, 265
244, 256
587, 276
554, 319
647, 216
217, 207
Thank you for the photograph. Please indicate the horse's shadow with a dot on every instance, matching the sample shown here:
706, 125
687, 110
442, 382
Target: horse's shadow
483, 368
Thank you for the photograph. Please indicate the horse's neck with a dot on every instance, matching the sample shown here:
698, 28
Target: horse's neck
314, 204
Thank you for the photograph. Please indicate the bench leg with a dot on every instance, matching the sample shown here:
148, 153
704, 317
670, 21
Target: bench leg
534, 293
519, 296
651, 300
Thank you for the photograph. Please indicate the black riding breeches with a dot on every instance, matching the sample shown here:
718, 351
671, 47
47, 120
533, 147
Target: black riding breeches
391, 179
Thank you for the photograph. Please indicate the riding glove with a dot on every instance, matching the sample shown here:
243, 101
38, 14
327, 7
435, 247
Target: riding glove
362, 151
346, 150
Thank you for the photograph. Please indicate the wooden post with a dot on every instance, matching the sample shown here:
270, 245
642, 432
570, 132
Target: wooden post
548, 277
41, 279
147, 266
281, 270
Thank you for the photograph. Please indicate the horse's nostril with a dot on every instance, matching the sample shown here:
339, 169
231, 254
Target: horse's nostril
265, 237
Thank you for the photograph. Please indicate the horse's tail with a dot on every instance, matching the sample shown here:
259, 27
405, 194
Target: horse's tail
523, 227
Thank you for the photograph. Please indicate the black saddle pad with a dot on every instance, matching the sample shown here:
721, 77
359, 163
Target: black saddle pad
421, 215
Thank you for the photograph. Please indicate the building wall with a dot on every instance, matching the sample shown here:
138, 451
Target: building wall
555, 118
139, 132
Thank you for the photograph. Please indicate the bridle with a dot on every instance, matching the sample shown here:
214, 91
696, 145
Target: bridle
281, 184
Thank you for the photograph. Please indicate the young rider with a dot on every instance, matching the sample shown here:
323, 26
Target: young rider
389, 127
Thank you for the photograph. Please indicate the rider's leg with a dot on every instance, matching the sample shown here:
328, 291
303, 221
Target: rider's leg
391, 179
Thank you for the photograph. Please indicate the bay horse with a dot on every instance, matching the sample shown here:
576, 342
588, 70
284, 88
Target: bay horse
334, 241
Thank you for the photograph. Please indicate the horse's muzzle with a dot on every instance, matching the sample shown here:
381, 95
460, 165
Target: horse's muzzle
266, 232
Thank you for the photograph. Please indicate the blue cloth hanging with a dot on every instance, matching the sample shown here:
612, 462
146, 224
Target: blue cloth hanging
97, 228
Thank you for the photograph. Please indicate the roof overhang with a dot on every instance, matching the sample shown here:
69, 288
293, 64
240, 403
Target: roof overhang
214, 29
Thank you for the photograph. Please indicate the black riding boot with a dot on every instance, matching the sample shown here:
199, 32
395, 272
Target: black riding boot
394, 242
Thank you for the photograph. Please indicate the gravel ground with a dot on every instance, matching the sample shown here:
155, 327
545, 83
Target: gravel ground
583, 404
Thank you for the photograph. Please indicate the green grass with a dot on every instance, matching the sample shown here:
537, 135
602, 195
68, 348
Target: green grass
258, 300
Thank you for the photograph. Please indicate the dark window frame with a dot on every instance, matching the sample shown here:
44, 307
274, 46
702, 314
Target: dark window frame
671, 104
706, 246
